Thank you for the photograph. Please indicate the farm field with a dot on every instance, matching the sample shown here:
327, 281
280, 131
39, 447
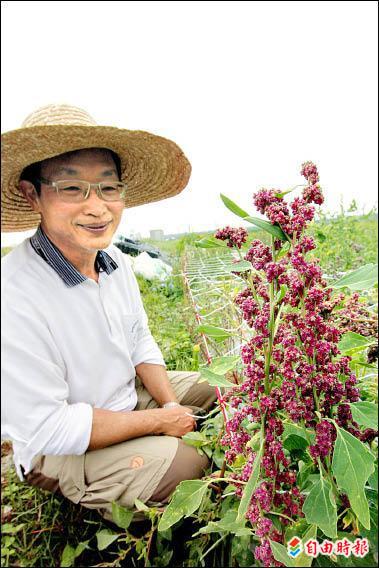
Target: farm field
40, 529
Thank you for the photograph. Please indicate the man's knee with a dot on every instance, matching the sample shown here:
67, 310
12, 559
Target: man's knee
201, 395
187, 464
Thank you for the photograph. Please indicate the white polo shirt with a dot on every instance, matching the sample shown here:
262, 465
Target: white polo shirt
67, 348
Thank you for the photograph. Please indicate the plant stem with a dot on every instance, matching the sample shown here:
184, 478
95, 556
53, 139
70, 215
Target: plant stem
329, 476
250, 279
149, 545
229, 479
329, 470
213, 546
222, 472
317, 402
281, 515
271, 329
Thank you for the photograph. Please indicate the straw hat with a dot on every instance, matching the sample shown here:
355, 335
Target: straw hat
153, 167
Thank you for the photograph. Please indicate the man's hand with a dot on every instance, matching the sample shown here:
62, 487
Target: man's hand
111, 427
176, 422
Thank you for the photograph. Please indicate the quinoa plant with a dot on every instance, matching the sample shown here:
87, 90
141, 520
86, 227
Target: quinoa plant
294, 422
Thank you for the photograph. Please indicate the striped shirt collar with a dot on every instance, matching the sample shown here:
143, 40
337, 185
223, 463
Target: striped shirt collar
69, 274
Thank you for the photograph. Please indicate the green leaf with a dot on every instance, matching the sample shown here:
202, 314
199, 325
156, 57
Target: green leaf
255, 441
210, 242
70, 553
283, 193
196, 439
280, 554
372, 534
216, 333
274, 230
283, 251
218, 456
352, 342
121, 516
81, 546
362, 279
303, 560
140, 506
320, 508
68, 556
373, 479
221, 365
352, 465
282, 292
295, 443
299, 528
365, 413
185, 501
295, 430
166, 535
105, 537
304, 475
241, 551
214, 380
227, 524
233, 207
8, 528
320, 236
251, 485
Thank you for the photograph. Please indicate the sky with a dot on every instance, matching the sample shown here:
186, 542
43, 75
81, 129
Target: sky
248, 90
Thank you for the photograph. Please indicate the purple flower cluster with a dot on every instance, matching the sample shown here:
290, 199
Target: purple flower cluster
264, 198
352, 316
294, 219
313, 194
259, 255
325, 436
234, 237
292, 365
263, 554
309, 171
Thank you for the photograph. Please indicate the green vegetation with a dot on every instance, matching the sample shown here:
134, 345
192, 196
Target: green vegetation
5, 250
40, 529
170, 322
346, 242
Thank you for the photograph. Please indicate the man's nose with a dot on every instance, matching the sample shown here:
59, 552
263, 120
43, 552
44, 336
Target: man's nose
93, 203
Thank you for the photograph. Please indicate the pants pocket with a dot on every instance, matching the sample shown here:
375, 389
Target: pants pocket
72, 480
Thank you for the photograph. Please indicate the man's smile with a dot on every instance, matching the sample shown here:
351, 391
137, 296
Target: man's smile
95, 227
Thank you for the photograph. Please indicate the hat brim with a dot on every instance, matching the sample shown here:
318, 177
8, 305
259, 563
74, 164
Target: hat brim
153, 167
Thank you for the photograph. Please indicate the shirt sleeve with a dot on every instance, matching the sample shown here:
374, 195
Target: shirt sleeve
146, 349
36, 414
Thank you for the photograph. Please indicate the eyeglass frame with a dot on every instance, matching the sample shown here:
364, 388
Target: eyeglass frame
88, 191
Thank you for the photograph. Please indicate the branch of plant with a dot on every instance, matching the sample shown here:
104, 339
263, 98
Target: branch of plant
149, 545
329, 475
281, 515
213, 546
229, 480
249, 278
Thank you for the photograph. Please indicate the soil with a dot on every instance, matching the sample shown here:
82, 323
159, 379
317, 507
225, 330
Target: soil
6, 457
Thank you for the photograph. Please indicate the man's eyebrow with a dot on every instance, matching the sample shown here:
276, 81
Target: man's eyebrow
65, 170
73, 172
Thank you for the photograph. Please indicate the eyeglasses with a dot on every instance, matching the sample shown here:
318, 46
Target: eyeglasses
74, 191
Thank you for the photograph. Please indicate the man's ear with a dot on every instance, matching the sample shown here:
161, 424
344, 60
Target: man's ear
30, 194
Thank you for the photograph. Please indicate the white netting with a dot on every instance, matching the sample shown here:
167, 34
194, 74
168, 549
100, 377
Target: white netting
212, 286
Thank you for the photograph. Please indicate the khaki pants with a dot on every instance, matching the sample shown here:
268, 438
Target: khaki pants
147, 468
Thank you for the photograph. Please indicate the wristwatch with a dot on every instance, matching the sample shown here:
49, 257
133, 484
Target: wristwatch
170, 404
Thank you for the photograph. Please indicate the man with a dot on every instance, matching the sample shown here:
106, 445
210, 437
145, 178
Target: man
87, 401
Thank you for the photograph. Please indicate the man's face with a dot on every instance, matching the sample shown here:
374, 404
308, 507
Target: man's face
78, 229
